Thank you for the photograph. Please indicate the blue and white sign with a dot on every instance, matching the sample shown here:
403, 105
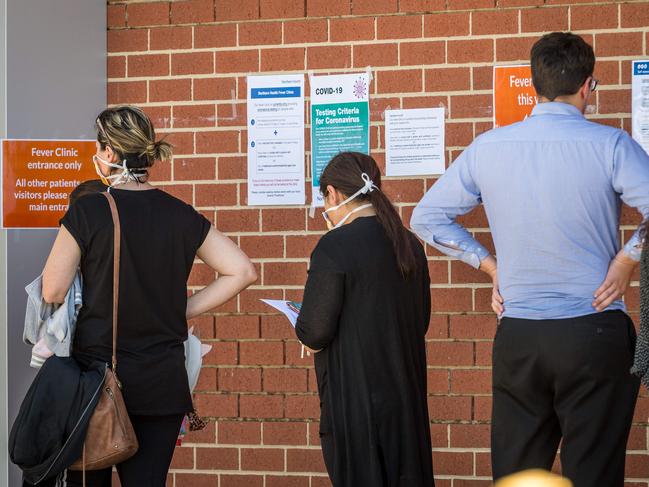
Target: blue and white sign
276, 140
640, 103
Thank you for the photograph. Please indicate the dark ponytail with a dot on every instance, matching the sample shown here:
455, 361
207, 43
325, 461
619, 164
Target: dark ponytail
344, 173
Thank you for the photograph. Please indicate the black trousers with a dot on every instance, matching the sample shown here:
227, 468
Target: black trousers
157, 437
564, 379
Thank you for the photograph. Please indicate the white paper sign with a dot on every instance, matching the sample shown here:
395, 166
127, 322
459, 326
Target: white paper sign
291, 309
276, 140
640, 103
414, 142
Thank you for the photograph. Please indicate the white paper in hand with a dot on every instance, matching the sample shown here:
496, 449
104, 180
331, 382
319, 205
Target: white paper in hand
290, 309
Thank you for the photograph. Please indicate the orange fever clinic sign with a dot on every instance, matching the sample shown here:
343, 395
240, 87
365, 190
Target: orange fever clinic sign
37, 178
514, 94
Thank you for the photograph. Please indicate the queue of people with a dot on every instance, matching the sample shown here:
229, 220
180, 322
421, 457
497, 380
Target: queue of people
563, 354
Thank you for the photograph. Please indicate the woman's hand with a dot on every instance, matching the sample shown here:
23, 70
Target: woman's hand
616, 281
235, 273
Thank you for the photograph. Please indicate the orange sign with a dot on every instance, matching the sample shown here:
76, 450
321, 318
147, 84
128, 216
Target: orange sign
37, 178
514, 94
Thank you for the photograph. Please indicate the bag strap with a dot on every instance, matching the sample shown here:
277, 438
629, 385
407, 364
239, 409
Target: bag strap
116, 254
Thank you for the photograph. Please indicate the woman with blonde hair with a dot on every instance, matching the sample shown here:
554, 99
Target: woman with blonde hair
160, 238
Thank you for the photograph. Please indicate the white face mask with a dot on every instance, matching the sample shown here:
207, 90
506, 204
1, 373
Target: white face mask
368, 187
114, 179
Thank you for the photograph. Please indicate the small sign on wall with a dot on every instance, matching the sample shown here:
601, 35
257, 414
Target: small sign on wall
514, 94
37, 178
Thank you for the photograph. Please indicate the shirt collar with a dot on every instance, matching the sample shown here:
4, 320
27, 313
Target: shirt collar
556, 108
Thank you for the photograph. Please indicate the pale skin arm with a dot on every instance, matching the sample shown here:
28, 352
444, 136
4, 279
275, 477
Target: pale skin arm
616, 281
61, 266
488, 266
235, 273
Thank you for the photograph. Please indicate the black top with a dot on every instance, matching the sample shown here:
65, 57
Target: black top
370, 323
160, 237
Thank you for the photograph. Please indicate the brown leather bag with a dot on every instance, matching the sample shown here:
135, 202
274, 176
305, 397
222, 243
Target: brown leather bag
110, 439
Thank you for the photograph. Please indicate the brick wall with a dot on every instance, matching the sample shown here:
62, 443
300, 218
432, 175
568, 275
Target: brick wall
186, 63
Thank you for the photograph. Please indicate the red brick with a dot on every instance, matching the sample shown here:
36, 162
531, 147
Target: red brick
481, 326
183, 192
447, 79
453, 463
285, 380
257, 406
287, 59
286, 481
261, 353
469, 4
399, 27
215, 89
634, 15
205, 436
170, 90
446, 24
238, 220
188, 116
239, 433
260, 246
116, 66
237, 9
618, 44
483, 354
514, 48
164, 38
192, 63
613, 101
282, 433
260, 33
417, 6
183, 458
470, 436
192, 11
148, 65
241, 480
276, 326
215, 194
284, 273
470, 51
237, 61
593, 17
222, 353
206, 380
327, 8
126, 92
402, 81
455, 408
494, 22
303, 407
223, 141
116, 16
403, 190
459, 134
281, 9
217, 458
471, 106
364, 7
471, 381
437, 381
217, 405
321, 57
196, 480
449, 353
127, 40
201, 275
351, 29
231, 115
239, 380
266, 459
304, 461
417, 53
274, 220
222, 35
375, 55
138, 14
305, 31
300, 245
544, 19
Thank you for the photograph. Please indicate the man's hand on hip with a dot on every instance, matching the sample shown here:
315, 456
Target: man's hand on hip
616, 282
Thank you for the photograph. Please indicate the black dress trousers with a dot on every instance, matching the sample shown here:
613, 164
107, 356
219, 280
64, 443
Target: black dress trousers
564, 380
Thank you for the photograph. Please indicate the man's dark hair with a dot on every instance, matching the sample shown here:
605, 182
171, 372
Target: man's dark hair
561, 62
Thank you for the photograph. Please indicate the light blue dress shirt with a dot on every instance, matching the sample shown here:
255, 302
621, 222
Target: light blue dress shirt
552, 188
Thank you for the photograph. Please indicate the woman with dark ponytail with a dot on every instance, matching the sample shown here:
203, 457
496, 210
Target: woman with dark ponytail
365, 313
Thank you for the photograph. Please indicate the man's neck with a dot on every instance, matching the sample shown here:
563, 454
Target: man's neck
568, 100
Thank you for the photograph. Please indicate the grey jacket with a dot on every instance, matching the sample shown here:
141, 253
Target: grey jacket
641, 360
49, 327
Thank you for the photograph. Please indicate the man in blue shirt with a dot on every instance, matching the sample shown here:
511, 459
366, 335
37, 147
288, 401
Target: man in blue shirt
552, 188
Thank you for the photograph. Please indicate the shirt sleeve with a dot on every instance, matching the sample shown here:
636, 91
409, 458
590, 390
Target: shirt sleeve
631, 180
75, 222
455, 193
317, 324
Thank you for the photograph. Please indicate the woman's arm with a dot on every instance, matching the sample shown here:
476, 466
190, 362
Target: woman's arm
61, 266
235, 273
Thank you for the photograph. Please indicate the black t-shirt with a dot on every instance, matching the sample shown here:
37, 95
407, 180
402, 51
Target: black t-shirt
160, 237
